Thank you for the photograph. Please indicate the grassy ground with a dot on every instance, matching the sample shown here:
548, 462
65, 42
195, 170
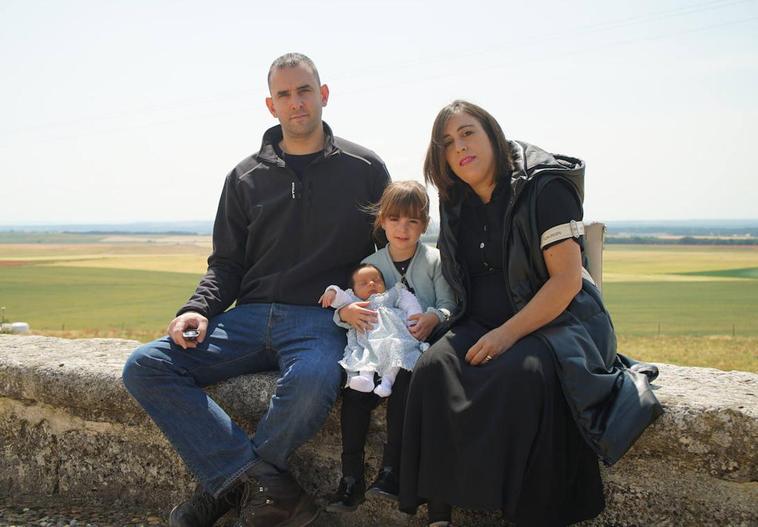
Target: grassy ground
668, 263
685, 305
722, 352
75, 301
678, 291
684, 308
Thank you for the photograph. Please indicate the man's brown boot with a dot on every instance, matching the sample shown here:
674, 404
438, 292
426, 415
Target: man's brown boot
202, 509
275, 501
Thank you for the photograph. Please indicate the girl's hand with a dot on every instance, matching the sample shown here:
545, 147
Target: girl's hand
492, 344
327, 299
425, 324
358, 316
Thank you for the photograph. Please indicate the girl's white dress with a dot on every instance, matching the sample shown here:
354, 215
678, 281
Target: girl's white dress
389, 344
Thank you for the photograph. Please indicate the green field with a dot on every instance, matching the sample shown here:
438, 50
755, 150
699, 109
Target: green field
78, 301
724, 353
686, 305
684, 308
674, 291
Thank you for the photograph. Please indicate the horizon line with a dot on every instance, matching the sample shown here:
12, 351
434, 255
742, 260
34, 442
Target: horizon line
210, 221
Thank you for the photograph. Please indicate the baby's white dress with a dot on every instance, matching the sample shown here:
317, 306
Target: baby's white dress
389, 344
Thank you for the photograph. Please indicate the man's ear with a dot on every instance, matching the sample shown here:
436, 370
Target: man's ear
270, 106
324, 94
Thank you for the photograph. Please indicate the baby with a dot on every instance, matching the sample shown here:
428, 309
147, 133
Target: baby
388, 346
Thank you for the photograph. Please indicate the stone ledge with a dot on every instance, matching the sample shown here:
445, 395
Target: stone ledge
68, 426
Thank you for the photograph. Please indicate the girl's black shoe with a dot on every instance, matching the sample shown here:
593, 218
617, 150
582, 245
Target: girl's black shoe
385, 486
350, 494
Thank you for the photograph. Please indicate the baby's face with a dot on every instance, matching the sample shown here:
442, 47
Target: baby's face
367, 281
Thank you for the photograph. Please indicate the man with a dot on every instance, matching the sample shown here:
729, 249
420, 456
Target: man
289, 223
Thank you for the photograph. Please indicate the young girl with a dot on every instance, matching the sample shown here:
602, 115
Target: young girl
403, 214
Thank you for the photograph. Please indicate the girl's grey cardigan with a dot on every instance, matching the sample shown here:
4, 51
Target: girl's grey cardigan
424, 276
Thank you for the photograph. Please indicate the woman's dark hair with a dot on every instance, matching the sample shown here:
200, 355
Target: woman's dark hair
360, 266
436, 170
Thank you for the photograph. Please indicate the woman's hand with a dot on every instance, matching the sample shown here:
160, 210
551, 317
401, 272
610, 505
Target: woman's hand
492, 344
564, 265
358, 316
327, 299
425, 324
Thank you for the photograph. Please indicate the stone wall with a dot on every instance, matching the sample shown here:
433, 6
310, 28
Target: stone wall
68, 427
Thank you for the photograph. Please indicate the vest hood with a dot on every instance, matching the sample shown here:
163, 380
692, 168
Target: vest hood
530, 161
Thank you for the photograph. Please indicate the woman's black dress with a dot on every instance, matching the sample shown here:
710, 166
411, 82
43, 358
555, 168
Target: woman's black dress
500, 435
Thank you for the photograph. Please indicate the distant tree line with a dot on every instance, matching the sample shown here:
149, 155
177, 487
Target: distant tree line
139, 233
685, 240
431, 238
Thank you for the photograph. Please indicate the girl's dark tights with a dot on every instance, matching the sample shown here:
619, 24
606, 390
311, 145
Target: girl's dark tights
356, 415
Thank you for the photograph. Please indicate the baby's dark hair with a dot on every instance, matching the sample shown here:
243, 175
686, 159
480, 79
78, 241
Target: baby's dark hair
401, 198
360, 266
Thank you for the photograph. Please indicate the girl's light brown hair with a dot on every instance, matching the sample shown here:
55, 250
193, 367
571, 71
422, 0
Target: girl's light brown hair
436, 169
402, 198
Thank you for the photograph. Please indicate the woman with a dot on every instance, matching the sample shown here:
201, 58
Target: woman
510, 409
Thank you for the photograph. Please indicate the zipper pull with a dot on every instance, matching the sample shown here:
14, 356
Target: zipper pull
293, 190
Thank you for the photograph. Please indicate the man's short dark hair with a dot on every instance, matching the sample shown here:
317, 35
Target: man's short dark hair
360, 266
290, 60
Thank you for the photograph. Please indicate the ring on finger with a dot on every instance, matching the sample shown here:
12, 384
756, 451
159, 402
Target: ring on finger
488, 358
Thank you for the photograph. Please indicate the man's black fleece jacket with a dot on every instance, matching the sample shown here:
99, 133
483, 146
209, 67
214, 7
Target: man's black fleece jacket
279, 238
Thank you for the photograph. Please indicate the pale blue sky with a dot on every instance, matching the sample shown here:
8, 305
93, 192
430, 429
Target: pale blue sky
135, 111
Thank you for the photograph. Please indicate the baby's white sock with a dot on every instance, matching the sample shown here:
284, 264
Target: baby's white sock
385, 387
363, 382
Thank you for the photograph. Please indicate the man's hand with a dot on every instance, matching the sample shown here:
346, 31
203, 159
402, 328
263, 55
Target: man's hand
185, 321
425, 324
358, 316
492, 344
327, 299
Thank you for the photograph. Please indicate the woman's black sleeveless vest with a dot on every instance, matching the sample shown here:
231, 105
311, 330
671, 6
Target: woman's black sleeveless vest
611, 402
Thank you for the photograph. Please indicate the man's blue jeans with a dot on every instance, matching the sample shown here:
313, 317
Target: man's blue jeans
302, 342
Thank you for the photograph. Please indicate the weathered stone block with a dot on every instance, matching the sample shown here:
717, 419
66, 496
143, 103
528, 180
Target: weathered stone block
68, 426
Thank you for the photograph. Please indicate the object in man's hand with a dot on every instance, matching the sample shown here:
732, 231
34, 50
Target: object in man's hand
190, 334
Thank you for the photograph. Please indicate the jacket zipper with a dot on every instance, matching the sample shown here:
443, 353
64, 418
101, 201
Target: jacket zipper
293, 196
